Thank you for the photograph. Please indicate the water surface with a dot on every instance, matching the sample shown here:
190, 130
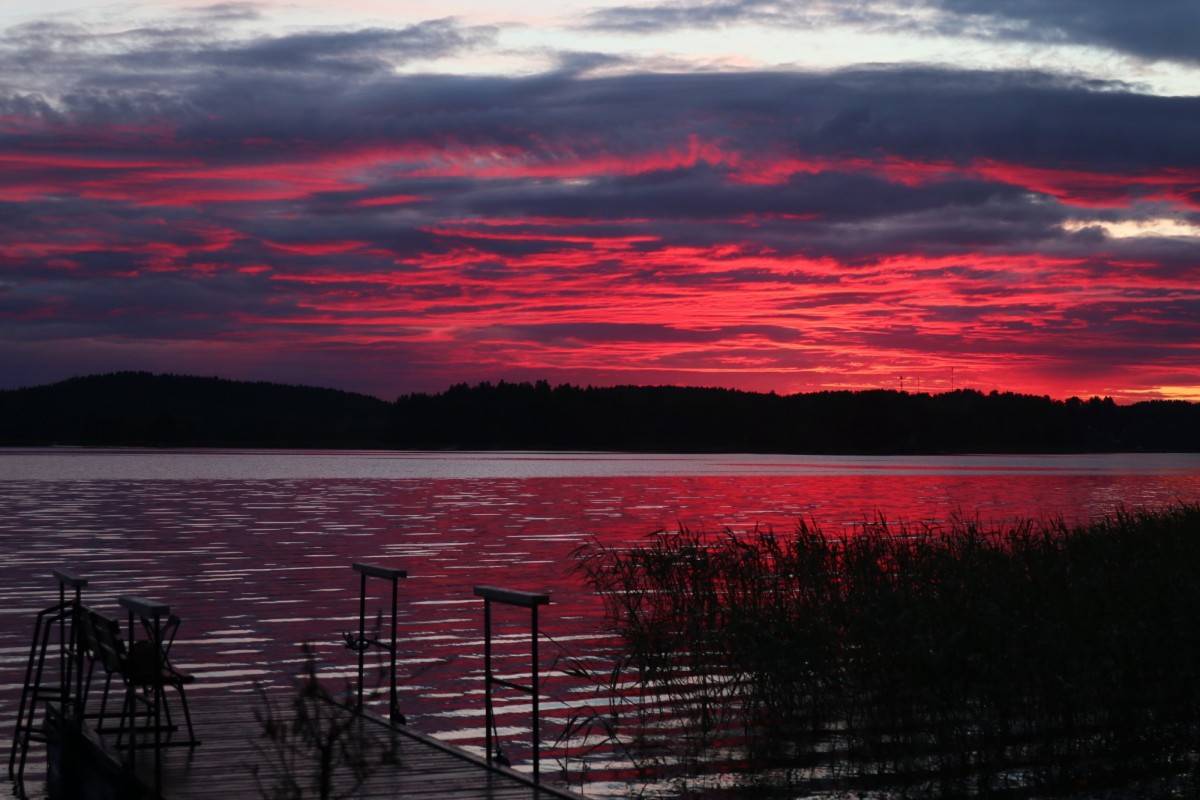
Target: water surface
253, 548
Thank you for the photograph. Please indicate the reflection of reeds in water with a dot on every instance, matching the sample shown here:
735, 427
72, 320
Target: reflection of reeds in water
956, 661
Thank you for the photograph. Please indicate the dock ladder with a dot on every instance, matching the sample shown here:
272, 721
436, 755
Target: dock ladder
40, 689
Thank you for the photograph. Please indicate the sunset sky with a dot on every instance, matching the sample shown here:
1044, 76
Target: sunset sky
788, 196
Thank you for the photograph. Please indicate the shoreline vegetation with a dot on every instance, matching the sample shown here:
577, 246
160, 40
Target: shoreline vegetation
1027, 660
144, 409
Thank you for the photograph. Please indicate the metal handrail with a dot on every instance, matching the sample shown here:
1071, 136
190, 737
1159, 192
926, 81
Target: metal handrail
70, 662
530, 600
70, 653
362, 642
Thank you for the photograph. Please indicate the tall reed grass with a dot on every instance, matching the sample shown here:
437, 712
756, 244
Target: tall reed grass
1031, 659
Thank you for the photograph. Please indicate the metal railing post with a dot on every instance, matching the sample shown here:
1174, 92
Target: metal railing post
70, 649
393, 699
531, 601
489, 714
363, 641
362, 630
533, 682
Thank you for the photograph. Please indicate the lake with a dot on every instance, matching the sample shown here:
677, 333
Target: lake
253, 548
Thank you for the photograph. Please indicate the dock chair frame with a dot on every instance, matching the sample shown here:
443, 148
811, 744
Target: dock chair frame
101, 643
147, 670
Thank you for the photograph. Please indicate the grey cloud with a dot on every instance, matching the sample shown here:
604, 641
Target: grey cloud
575, 63
225, 12
369, 50
1163, 30
719, 13
72, 60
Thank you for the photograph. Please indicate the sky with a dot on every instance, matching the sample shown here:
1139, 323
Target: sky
390, 197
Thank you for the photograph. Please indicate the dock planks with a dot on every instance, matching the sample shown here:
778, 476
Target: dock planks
231, 743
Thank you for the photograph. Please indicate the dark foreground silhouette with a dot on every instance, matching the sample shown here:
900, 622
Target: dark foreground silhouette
138, 408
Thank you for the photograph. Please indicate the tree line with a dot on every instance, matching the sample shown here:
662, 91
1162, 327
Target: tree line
679, 419
140, 408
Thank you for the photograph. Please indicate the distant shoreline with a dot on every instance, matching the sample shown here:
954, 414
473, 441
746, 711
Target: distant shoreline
139, 409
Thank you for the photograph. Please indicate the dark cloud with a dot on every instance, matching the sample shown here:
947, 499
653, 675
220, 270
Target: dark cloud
1159, 31
619, 332
224, 12
704, 14
334, 56
649, 19
205, 56
575, 63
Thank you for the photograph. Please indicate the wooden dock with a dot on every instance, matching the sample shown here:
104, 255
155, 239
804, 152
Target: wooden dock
232, 743
236, 744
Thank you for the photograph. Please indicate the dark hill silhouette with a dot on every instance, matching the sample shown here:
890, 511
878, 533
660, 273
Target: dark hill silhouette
139, 408
677, 419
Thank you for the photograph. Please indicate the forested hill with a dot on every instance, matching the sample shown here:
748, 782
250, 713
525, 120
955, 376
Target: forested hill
139, 408
675, 419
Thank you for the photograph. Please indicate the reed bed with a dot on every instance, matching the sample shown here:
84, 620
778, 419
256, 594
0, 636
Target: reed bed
1035, 659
